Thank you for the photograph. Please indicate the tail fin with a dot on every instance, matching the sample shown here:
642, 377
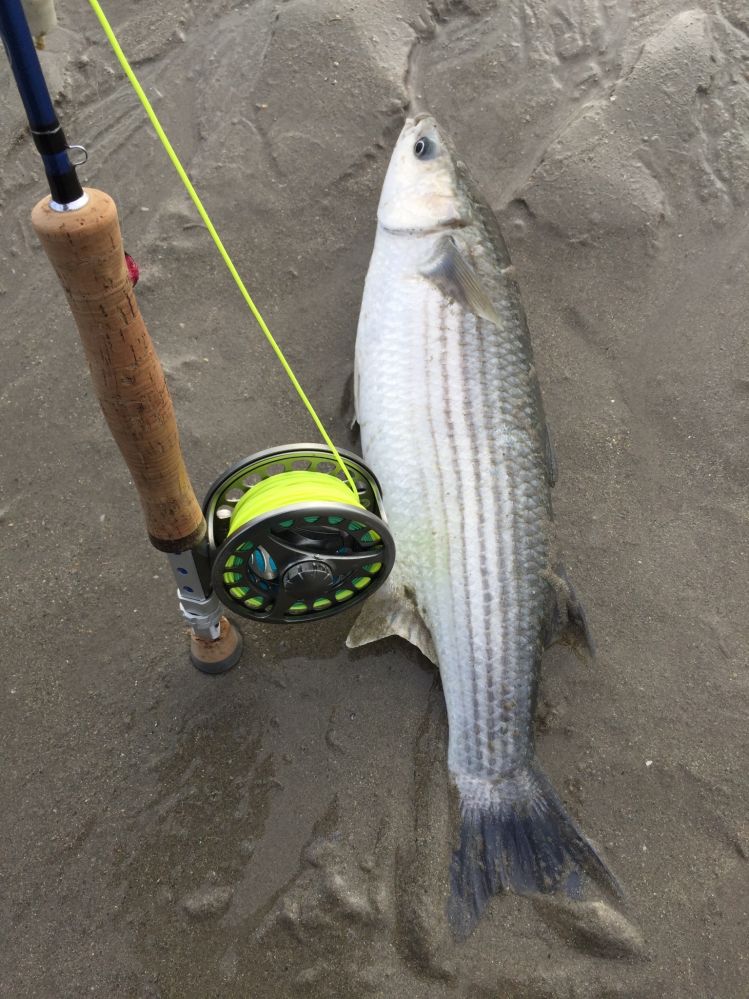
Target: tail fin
516, 835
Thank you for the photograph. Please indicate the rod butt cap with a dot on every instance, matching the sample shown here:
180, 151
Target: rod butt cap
219, 655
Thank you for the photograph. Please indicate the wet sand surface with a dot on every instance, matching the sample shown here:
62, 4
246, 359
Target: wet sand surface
284, 830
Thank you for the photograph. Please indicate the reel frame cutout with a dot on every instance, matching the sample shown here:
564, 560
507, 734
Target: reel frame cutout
303, 561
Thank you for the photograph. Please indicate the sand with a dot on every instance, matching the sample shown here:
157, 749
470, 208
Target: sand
283, 830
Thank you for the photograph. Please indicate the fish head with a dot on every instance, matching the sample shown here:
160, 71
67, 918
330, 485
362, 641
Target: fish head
422, 188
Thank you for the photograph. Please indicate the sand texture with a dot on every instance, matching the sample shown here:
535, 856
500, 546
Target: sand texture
284, 830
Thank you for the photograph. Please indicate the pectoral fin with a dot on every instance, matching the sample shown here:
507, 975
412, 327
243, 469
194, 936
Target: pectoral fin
457, 279
390, 611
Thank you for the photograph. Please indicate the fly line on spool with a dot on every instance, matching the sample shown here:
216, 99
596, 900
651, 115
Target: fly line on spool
289, 543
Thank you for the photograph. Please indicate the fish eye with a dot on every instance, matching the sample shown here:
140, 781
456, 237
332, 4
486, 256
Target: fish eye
424, 148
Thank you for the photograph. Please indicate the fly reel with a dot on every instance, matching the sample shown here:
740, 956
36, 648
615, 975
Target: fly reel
288, 539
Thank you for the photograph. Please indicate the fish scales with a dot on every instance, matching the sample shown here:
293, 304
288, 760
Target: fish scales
468, 473
452, 423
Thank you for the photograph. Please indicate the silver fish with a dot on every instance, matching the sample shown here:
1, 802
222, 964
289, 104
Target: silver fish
453, 426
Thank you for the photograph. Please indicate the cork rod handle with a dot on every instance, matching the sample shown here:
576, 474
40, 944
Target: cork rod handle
85, 249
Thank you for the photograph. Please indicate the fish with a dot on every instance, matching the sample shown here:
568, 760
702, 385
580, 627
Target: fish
452, 423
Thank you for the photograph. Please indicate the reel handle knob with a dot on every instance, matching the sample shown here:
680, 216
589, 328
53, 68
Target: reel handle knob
85, 249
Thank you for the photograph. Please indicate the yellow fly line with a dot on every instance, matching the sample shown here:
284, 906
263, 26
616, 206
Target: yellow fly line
287, 489
212, 230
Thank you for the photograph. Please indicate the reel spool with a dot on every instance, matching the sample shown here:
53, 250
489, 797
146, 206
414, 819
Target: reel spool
288, 540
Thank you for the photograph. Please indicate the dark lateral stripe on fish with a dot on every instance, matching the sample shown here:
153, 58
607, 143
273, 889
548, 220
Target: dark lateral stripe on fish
453, 375
510, 610
483, 665
432, 413
469, 467
497, 627
495, 620
461, 555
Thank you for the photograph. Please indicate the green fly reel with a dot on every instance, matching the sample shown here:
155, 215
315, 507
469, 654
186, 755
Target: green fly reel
290, 542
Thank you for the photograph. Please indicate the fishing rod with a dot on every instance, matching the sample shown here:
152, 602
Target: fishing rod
280, 536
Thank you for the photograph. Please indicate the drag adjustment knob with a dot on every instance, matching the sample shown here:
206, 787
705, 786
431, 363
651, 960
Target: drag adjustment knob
307, 578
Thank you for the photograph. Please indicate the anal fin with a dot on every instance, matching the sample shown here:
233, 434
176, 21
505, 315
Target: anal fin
568, 618
551, 458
